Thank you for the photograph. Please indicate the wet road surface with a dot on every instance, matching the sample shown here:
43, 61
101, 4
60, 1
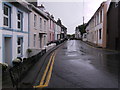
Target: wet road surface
78, 65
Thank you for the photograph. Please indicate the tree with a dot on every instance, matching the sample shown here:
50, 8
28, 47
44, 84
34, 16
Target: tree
82, 29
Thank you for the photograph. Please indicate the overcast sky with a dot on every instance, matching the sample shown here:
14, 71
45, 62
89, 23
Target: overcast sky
71, 13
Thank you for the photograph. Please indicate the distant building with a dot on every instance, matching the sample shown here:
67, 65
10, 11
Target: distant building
84, 37
63, 34
51, 28
14, 17
57, 31
77, 33
96, 27
113, 26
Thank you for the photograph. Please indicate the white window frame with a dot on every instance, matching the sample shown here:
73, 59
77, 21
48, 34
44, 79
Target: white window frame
40, 23
20, 46
8, 17
101, 16
45, 25
34, 40
20, 21
35, 20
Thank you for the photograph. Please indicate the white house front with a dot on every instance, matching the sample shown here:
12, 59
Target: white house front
13, 31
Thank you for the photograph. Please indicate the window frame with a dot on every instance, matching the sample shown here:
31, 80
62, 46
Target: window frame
101, 16
40, 23
45, 24
35, 20
20, 46
8, 17
21, 20
100, 34
34, 40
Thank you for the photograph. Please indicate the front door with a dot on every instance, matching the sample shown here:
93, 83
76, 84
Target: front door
8, 50
40, 37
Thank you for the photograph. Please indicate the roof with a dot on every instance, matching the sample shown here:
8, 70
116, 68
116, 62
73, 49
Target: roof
22, 3
42, 13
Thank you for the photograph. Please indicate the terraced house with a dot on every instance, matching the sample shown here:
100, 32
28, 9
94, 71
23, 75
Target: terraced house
13, 31
38, 29
25, 30
57, 31
96, 27
51, 28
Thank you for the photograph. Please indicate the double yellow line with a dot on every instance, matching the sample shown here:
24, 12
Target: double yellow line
47, 73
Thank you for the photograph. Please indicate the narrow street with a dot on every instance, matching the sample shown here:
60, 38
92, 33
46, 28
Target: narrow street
78, 65
59, 44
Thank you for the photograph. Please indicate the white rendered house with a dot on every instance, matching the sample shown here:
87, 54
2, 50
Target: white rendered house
57, 31
13, 31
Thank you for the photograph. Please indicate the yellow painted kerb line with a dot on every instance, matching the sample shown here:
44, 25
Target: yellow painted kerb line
51, 62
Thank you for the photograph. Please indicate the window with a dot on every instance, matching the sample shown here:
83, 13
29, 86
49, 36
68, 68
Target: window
95, 21
35, 18
44, 40
50, 24
19, 20
101, 16
6, 16
19, 45
97, 18
40, 23
100, 34
44, 25
50, 36
34, 40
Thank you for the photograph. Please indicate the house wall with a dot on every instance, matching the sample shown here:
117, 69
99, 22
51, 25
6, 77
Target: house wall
1, 21
57, 31
95, 24
13, 33
40, 32
50, 32
77, 34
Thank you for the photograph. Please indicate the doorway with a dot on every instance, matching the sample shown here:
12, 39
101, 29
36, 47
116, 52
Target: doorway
40, 38
7, 54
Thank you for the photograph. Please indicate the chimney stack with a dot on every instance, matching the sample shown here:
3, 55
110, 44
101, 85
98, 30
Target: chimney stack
41, 7
34, 2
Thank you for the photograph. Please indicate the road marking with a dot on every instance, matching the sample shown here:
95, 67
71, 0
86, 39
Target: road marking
46, 70
48, 76
50, 71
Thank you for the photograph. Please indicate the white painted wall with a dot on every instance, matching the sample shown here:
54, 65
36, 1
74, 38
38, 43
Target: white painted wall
57, 31
13, 33
100, 26
1, 46
37, 30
